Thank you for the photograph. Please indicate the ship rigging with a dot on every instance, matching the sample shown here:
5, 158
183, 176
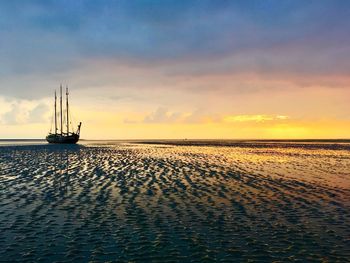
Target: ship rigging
62, 136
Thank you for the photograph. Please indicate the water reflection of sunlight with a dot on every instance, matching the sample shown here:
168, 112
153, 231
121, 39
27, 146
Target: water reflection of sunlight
306, 163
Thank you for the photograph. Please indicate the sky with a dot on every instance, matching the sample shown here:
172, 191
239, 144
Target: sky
177, 69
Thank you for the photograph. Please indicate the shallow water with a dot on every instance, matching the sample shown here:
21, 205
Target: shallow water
135, 202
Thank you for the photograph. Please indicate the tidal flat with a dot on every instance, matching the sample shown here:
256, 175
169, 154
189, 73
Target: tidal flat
172, 202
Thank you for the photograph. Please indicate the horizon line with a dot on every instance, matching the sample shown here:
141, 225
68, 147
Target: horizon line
188, 139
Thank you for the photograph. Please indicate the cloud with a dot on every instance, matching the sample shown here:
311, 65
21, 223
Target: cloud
13, 116
64, 34
200, 60
254, 118
38, 114
22, 112
162, 115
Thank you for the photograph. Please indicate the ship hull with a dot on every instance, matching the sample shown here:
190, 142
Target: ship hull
62, 139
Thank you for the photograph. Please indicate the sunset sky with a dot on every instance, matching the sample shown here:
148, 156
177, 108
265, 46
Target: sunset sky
177, 69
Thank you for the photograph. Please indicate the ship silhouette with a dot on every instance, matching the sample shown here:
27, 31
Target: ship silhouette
59, 135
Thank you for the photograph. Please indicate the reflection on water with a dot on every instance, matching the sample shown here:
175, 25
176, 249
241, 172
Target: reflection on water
130, 202
61, 171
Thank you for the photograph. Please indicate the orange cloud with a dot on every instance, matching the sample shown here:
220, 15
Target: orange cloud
253, 118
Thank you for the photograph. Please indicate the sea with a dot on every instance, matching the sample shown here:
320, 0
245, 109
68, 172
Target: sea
175, 201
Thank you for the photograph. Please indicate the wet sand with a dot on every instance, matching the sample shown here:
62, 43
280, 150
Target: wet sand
175, 203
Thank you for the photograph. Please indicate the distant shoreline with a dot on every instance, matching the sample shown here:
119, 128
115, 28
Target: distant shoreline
202, 140
335, 144
331, 143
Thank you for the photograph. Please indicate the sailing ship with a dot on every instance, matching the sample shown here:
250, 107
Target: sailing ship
61, 136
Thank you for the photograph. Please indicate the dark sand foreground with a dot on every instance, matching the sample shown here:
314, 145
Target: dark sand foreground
165, 203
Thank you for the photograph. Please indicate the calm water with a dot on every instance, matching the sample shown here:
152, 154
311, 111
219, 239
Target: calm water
120, 201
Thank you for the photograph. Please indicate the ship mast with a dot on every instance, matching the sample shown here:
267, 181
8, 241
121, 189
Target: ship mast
67, 110
55, 113
61, 109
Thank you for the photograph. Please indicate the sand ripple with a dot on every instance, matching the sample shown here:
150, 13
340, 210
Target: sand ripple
129, 202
